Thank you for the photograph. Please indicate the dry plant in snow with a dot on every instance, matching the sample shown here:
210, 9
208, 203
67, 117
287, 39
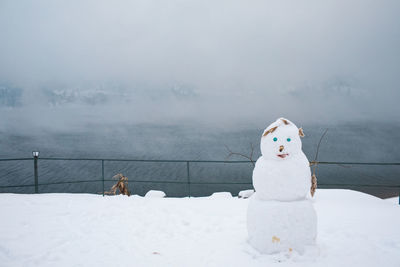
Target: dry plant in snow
121, 185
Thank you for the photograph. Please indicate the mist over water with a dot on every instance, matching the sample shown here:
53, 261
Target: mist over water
225, 62
182, 79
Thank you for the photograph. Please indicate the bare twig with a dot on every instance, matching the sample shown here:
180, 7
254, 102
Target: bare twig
319, 143
231, 153
344, 166
252, 152
315, 164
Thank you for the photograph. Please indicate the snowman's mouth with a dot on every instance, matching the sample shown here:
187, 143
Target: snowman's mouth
283, 155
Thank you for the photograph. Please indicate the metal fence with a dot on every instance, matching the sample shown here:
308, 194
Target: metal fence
187, 175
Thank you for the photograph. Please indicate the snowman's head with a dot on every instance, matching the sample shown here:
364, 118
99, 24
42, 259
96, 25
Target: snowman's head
281, 140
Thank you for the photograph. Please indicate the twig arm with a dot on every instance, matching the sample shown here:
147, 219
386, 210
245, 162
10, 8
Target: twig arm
250, 158
315, 164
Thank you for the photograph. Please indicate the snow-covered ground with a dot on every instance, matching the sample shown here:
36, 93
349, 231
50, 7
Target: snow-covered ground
354, 229
394, 200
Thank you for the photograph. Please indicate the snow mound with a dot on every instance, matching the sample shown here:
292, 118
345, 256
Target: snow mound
246, 193
394, 200
155, 194
221, 195
354, 229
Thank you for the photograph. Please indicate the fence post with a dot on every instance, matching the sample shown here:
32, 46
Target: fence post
188, 177
35, 171
102, 173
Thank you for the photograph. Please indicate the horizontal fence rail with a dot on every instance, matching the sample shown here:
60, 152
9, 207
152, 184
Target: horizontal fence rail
187, 165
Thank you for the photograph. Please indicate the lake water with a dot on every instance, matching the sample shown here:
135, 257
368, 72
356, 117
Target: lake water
362, 142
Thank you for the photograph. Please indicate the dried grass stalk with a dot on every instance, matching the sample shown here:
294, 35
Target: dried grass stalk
285, 121
301, 133
313, 184
121, 186
270, 131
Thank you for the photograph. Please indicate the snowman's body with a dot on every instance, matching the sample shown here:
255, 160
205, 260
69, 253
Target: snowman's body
285, 180
280, 217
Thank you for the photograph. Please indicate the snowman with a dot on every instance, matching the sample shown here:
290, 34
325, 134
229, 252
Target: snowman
280, 216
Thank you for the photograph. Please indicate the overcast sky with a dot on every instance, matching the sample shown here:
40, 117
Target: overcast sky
238, 60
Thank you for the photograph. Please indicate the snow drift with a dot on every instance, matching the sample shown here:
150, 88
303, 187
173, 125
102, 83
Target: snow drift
354, 229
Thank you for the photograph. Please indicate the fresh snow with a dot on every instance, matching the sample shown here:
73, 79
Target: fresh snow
354, 229
394, 200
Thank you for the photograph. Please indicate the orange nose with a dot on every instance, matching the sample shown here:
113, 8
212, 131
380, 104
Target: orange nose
281, 148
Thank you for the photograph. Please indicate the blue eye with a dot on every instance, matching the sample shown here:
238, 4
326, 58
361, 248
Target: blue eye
288, 139
275, 139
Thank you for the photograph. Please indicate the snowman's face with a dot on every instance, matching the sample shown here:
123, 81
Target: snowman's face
281, 144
